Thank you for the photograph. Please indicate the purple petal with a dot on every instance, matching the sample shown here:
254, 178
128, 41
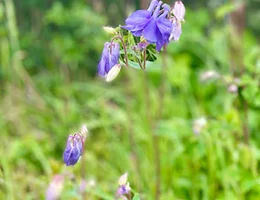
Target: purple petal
103, 60
151, 32
164, 24
179, 10
138, 17
152, 5
176, 30
73, 150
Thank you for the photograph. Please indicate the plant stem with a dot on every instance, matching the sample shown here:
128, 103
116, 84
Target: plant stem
245, 122
155, 138
131, 137
124, 47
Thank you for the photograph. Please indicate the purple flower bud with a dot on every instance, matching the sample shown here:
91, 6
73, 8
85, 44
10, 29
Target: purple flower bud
124, 187
109, 58
74, 149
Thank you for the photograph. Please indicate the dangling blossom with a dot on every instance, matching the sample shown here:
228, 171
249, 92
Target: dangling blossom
124, 187
179, 12
109, 66
151, 24
74, 147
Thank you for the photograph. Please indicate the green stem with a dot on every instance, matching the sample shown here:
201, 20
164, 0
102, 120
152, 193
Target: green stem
124, 47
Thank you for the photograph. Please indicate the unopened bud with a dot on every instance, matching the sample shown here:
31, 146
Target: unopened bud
123, 179
110, 30
113, 72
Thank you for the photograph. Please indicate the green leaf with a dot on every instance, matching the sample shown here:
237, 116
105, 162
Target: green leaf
137, 66
136, 197
250, 92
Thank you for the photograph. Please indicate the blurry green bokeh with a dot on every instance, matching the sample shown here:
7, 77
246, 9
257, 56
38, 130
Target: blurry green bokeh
49, 52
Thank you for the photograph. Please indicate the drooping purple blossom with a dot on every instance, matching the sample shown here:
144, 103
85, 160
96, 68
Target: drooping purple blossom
179, 12
152, 24
74, 149
109, 58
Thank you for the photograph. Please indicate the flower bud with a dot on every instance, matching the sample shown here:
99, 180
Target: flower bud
110, 30
124, 187
74, 149
114, 71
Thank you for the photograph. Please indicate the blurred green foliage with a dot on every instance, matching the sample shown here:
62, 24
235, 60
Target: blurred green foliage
48, 55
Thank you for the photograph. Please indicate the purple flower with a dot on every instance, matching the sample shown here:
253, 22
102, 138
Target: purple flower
124, 187
164, 26
151, 24
137, 21
74, 149
179, 12
109, 58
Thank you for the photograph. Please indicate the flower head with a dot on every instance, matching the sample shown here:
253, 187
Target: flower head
137, 21
152, 24
109, 58
74, 149
124, 187
74, 146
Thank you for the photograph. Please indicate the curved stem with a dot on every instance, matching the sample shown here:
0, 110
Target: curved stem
124, 47
144, 58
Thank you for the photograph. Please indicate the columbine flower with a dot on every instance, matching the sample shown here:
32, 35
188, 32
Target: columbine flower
179, 12
137, 21
124, 187
151, 24
74, 147
109, 59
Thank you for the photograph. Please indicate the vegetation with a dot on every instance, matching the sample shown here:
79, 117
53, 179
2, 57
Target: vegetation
203, 108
